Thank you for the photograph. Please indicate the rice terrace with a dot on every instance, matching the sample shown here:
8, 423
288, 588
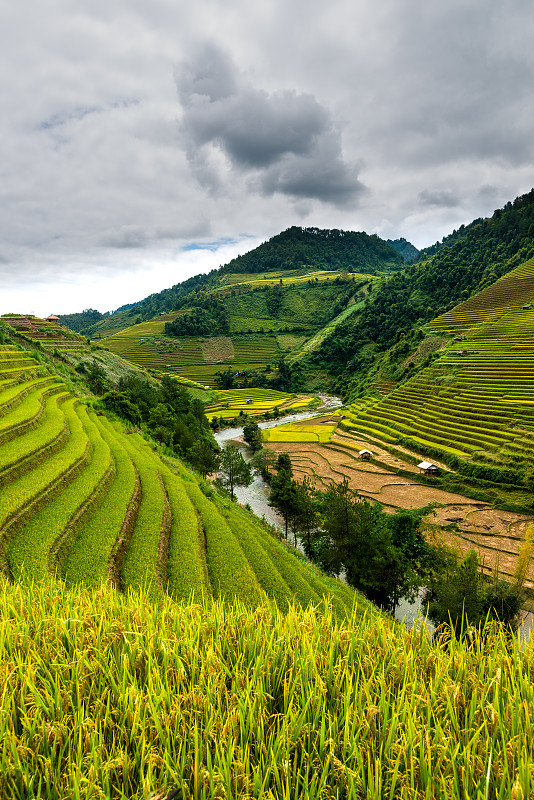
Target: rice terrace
161, 641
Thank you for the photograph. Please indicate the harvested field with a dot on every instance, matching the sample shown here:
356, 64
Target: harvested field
217, 349
462, 522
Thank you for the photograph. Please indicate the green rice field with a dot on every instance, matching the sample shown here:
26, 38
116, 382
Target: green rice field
110, 695
90, 501
477, 398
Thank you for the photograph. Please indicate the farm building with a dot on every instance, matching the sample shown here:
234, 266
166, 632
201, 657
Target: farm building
427, 468
52, 318
365, 455
527, 307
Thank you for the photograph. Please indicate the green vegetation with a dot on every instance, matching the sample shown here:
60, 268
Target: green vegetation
234, 470
470, 403
257, 402
322, 249
89, 498
471, 261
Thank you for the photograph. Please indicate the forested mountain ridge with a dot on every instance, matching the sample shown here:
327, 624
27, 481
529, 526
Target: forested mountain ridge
485, 250
322, 249
295, 248
405, 248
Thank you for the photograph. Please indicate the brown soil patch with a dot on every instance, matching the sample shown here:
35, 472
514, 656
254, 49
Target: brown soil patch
217, 349
355, 444
495, 535
414, 495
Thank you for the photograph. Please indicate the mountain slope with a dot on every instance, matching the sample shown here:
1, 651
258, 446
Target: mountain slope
296, 247
472, 406
485, 251
85, 497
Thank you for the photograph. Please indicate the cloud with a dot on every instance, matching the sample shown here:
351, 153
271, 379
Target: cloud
289, 139
445, 199
129, 236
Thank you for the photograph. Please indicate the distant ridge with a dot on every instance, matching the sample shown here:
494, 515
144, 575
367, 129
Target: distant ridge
319, 248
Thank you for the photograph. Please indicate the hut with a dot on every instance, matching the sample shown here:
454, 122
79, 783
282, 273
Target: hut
461, 353
52, 318
527, 307
427, 468
365, 455
249, 401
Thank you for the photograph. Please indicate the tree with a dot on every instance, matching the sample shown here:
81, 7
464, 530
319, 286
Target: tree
305, 518
97, 379
203, 457
282, 496
234, 470
264, 461
252, 436
459, 595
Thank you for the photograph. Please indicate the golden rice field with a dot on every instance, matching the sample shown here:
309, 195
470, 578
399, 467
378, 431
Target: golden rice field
230, 402
120, 696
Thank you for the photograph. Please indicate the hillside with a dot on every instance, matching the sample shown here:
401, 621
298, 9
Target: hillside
256, 321
87, 498
295, 254
315, 248
467, 263
473, 401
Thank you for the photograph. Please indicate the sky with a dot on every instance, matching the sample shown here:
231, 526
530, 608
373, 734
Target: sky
145, 141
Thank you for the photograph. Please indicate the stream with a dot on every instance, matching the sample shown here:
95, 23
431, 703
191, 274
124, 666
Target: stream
256, 495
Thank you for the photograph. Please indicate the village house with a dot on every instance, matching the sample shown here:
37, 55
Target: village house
427, 468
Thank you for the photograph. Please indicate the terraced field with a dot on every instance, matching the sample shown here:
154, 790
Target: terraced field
472, 411
287, 277
50, 335
477, 399
85, 499
146, 346
330, 456
230, 402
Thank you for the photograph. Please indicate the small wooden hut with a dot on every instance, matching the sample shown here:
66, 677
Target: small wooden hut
427, 468
365, 455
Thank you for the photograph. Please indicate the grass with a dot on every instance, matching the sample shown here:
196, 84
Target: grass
114, 696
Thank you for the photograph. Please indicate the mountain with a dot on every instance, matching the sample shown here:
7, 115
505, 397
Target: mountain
406, 249
463, 265
315, 248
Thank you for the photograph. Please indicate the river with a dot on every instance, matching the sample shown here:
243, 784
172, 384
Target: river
256, 495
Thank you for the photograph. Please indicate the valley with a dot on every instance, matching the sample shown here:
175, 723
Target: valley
154, 583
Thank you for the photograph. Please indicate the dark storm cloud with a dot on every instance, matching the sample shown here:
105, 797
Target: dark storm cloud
288, 138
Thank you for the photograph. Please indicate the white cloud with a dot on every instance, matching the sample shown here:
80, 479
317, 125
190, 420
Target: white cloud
107, 172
